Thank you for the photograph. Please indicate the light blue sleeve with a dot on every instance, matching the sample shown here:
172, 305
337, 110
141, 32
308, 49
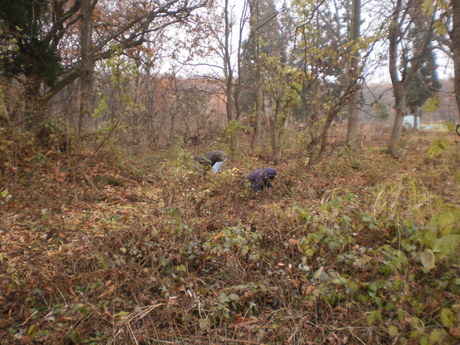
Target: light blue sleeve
217, 167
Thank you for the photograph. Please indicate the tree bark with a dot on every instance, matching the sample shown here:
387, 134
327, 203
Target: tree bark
397, 82
258, 107
353, 122
402, 68
170, 13
455, 36
228, 75
400, 108
274, 128
317, 153
34, 109
281, 136
237, 83
257, 138
228, 71
87, 64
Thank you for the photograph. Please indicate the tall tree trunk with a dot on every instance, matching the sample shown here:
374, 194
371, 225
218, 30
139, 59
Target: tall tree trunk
228, 74
254, 23
317, 153
86, 78
34, 108
228, 71
352, 130
400, 108
455, 47
402, 67
236, 96
281, 136
258, 107
235, 143
274, 127
399, 91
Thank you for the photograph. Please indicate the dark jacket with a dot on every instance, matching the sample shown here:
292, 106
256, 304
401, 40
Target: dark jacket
260, 179
211, 158
215, 156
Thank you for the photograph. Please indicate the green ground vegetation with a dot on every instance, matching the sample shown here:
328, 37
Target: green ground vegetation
112, 247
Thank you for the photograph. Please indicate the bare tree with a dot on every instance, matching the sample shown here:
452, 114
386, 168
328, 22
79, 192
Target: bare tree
255, 41
455, 47
87, 64
119, 26
404, 60
228, 69
353, 75
326, 90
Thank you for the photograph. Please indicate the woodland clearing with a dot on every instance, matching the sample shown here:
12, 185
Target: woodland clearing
117, 248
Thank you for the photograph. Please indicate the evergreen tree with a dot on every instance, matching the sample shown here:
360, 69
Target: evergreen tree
270, 38
322, 34
424, 85
35, 34
31, 53
34, 54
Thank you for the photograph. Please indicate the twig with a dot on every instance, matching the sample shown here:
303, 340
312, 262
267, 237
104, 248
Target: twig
134, 316
106, 138
242, 341
354, 335
87, 179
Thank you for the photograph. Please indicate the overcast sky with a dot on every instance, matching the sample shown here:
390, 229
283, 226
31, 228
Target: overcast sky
378, 75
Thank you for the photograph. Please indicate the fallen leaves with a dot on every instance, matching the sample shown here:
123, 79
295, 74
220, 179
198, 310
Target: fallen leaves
308, 290
110, 290
86, 248
243, 322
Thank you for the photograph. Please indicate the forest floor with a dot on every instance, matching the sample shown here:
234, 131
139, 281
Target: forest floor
105, 248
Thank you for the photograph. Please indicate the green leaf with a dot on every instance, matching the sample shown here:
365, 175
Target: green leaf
84, 310
416, 323
446, 245
431, 105
223, 298
447, 317
438, 147
370, 319
436, 336
234, 297
32, 330
4, 193
443, 4
429, 238
440, 27
122, 314
204, 324
423, 339
332, 245
446, 222
427, 7
101, 107
373, 316
181, 268
428, 260
304, 244
393, 331
457, 176
386, 270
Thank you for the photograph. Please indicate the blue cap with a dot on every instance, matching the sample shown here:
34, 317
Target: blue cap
269, 172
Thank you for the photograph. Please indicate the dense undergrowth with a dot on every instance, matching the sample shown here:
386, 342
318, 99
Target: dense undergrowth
110, 248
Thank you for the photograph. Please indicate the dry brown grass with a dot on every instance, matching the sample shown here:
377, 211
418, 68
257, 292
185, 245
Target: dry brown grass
160, 253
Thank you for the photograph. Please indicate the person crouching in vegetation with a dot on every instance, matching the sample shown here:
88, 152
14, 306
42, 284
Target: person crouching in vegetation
261, 179
214, 159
